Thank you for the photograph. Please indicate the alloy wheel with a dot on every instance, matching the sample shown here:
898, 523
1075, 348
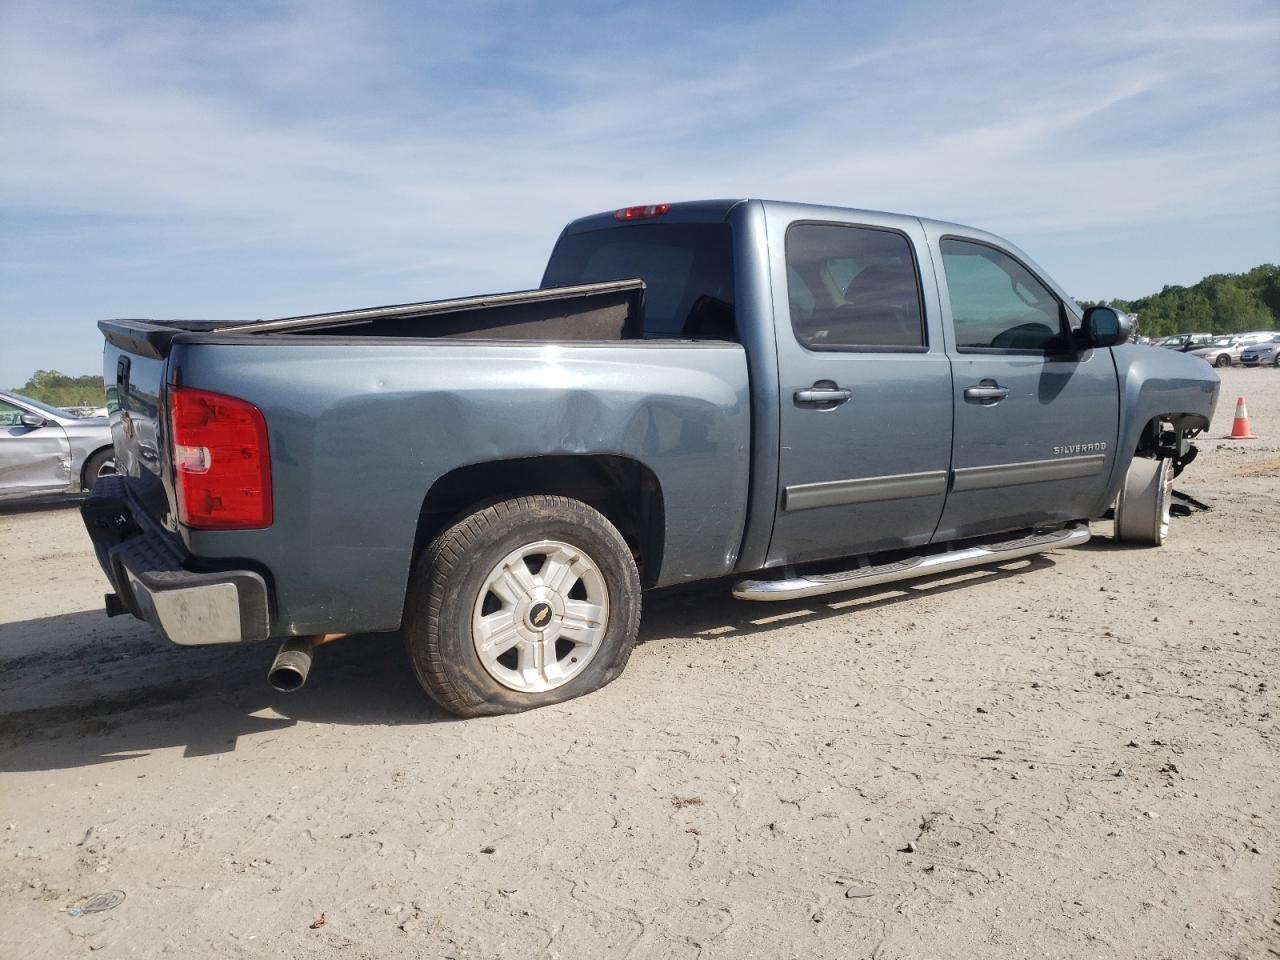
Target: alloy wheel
540, 616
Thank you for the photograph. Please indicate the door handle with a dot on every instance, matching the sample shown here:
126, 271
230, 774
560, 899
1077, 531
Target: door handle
824, 393
986, 392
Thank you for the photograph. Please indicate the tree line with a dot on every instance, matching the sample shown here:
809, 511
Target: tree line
60, 390
1220, 303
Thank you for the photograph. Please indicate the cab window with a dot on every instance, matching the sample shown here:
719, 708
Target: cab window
853, 287
997, 304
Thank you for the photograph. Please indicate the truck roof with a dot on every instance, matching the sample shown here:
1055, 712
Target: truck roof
694, 211
687, 211
716, 211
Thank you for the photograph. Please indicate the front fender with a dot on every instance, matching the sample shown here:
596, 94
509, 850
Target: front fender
1157, 383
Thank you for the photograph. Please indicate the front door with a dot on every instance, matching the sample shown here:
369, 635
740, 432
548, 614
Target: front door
33, 460
865, 431
1035, 421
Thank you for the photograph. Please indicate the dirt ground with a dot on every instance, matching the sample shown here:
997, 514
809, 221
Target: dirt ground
1076, 755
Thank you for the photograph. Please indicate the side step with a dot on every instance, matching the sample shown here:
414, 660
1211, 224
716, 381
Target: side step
794, 588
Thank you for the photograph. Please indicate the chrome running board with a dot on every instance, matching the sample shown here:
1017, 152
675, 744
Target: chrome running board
794, 588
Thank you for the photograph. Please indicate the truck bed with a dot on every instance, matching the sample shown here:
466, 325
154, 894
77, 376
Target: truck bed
595, 312
372, 413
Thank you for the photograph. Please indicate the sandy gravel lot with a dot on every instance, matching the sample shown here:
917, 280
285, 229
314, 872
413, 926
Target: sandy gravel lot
1072, 756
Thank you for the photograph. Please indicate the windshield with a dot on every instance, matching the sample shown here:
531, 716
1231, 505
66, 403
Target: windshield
687, 269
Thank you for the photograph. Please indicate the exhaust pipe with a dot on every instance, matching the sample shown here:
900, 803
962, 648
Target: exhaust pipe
292, 664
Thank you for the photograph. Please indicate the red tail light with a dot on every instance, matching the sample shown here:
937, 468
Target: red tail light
642, 213
221, 462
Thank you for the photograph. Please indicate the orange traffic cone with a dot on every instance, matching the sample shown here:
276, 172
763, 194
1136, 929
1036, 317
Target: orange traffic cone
1240, 427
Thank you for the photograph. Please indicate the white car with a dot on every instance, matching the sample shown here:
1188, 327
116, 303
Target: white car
46, 451
1261, 354
1226, 350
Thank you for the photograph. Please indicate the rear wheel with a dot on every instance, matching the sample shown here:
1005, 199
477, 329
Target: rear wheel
528, 602
1142, 509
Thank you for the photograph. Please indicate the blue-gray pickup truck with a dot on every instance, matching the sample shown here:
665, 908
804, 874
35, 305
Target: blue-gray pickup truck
804, 399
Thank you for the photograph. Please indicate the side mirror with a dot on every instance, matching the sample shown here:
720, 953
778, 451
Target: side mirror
1104, 327
33, 420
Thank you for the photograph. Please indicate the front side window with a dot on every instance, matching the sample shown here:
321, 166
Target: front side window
10, 416
853, 287
997, 303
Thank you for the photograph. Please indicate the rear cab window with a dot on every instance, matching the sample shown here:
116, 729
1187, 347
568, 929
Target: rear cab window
687, 269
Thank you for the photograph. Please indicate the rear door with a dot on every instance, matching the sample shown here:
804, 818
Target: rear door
865, 402
33, 460
1035, 421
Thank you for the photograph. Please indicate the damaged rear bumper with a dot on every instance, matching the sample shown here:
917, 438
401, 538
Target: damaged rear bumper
153, 580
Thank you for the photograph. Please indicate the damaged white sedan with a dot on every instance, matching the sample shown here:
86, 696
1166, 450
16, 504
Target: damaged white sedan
48, 451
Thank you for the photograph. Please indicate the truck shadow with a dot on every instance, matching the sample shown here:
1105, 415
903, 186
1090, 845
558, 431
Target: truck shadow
79, 690
102, 690
41, 504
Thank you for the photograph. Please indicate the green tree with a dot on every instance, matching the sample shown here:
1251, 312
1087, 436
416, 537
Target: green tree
1264, 281
1220, 303
60, 390
1238, 309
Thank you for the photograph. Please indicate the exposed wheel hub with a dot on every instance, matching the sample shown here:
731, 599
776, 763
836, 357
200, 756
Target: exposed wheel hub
1142, 508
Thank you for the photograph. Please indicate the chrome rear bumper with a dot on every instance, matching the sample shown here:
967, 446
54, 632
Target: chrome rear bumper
199, 609
152, 581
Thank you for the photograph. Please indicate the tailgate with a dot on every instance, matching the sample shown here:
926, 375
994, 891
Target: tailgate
134, 374
134, 367
134, 387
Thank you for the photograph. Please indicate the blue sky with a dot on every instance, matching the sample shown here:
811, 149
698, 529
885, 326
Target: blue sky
232, 160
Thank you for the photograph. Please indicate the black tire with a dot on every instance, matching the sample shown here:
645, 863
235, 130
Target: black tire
93, 466
444, 588
1222, 361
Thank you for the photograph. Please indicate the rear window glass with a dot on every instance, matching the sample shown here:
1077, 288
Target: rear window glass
687, 269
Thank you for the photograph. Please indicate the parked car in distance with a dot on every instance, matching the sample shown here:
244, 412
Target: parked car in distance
808, 399
47, 451
1186, 341
1262, 353
1225, 350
